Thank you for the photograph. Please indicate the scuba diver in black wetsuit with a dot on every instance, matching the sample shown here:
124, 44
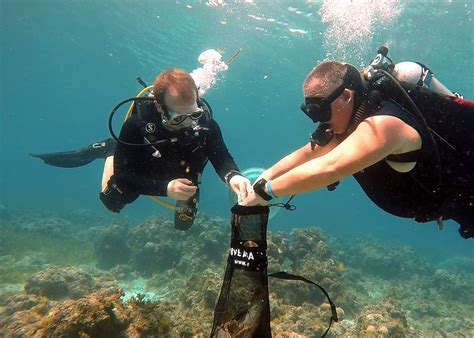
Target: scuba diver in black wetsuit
412, 160
162, 150
187, 137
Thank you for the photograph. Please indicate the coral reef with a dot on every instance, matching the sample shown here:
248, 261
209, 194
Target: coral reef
17, 270
308, 255
278, 247
453, 286
203, 290
382, 260
69, 302
384, 319
99, 314
59, 283
31, 239
458, 264
150, 247
167, 283
110, 246
68, 224
156, 246
51, 225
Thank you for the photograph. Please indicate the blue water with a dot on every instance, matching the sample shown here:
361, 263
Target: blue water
64, 65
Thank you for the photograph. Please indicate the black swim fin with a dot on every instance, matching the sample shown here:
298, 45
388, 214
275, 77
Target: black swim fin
80, 157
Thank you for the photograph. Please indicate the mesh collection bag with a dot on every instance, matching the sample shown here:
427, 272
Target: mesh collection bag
243, 309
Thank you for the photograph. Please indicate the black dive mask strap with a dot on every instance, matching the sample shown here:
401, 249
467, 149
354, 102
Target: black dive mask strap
160, 99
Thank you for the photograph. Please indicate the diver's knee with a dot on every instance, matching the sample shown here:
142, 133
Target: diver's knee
108, 171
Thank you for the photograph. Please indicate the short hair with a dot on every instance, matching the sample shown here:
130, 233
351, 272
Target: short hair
177, 82
327, 76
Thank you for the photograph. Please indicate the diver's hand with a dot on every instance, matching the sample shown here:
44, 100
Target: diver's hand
241, 186
253, 199
181, 189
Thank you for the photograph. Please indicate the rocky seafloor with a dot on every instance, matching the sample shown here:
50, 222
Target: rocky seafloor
78, 275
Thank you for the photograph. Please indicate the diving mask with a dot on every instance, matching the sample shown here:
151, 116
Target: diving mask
318, 109
178, 118
175, 118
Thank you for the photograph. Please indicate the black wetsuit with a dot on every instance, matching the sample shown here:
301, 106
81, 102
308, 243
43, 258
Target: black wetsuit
143, 170
433, 188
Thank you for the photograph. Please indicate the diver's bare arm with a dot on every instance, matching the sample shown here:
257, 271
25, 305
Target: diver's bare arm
297, 158
373, 140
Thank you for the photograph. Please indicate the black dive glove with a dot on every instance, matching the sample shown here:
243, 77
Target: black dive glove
115, 198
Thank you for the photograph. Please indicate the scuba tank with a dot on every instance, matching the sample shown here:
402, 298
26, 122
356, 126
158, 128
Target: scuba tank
411, 79
414, 74
410, 75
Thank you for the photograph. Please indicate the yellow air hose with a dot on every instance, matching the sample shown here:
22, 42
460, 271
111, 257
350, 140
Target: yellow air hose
140, 94
163, 203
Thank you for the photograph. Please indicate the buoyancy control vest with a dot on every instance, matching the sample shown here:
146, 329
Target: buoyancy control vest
187, 141
160, 140
443, 119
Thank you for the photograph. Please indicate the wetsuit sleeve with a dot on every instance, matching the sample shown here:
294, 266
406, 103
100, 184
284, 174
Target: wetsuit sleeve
218, 153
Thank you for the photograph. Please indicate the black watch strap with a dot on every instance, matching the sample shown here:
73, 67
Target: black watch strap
259, 188
229, 175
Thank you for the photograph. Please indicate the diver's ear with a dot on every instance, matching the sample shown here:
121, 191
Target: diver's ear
348, 95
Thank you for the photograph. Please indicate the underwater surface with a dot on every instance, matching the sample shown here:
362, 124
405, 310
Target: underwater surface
65, 64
